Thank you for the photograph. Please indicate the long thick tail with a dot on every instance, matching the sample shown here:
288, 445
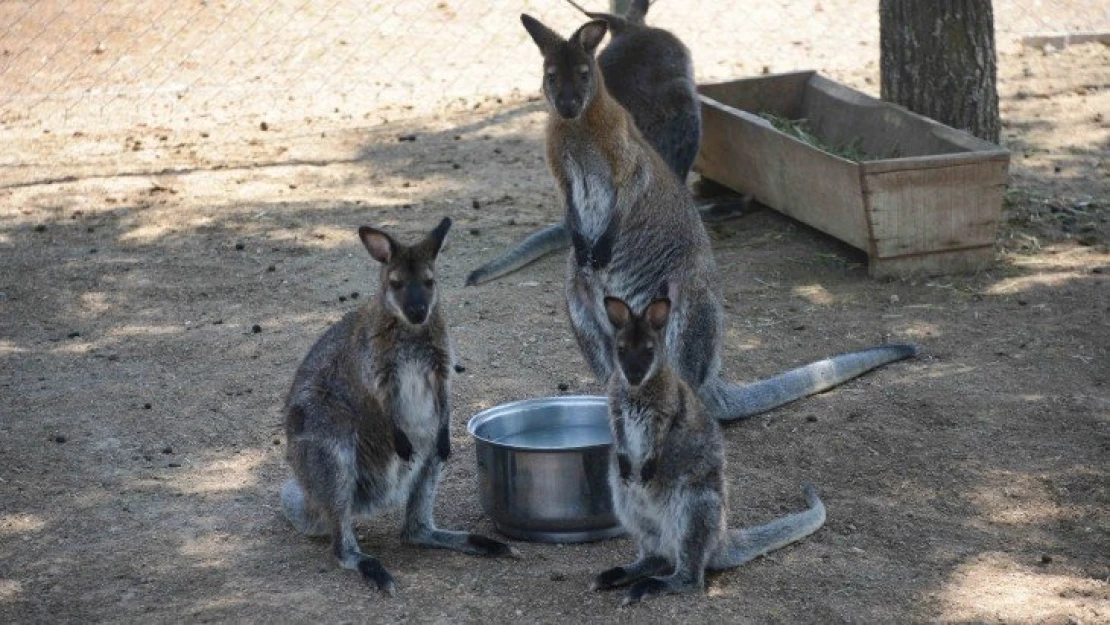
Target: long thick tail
730, 402
749, 543
538, 244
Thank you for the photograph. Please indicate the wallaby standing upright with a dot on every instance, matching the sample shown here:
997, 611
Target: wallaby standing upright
650, 73
636, 236
667, 471
369, 413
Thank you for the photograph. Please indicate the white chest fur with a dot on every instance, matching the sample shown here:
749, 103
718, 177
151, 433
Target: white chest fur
637, 438
591, 195
416, 401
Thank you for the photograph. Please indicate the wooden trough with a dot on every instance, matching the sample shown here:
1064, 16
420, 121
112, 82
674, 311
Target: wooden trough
932, 208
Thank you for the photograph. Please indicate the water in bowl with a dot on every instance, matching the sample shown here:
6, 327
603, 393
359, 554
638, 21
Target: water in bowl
560, 437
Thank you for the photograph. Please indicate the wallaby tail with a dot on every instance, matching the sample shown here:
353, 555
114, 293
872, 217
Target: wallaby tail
751, 542
538, 244
730, 402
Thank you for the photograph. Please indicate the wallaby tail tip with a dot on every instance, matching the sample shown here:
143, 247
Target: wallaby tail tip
812, 500
908, 349
816, 506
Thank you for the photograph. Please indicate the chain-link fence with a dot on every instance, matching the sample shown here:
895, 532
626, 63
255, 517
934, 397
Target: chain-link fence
95, 64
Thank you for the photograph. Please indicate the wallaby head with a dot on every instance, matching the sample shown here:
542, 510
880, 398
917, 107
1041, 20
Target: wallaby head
570, 74
408, 280
635, 15
640, 346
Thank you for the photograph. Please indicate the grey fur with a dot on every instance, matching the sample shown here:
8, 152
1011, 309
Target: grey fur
368, 415
667, 476
653, 244
650, 72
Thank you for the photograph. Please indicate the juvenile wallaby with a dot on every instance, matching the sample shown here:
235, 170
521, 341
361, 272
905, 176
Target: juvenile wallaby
636, 236
649, 72
368, 415
667, 472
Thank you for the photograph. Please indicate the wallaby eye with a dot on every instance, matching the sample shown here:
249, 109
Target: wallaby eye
429, 283
396, 285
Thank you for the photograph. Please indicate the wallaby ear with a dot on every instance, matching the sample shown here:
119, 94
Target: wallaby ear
657, 313
378, 243
616, 23
590, 34
619, 313
637, 11
545, 38
439, 235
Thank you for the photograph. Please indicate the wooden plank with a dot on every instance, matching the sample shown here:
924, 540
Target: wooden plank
840, 114
746, 153
932, 264
780, 94
930, 210
934, 161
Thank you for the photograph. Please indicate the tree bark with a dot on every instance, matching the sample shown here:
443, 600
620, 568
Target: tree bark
937, 58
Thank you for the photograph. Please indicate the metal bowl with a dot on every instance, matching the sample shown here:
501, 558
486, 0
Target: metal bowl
543, 468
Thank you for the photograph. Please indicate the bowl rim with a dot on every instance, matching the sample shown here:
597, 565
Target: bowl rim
478, 419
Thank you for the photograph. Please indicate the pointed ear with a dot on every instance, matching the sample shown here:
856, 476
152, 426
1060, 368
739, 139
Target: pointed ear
619, 314
590, 34
439, 235
545, 38
637, 11
616, 23
658, 313
378, 243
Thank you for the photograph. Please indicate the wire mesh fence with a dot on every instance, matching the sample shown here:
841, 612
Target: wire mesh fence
99, 63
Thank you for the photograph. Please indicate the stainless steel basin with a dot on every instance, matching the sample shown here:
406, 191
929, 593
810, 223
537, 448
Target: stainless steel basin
543, 468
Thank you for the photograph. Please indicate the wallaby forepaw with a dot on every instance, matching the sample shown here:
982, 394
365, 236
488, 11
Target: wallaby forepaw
489, 547
643, 589
474, 278
402, 445
373, 572
610, 579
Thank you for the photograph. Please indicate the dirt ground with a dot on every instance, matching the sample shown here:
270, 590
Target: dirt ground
159, 285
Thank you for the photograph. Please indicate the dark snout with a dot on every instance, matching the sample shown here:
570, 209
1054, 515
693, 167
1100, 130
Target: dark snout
635, 370
568, 103
568, 108
415, 305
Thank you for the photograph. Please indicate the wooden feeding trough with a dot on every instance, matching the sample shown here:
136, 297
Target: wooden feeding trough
928, 203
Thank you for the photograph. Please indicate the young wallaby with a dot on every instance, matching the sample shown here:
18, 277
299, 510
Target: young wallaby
636, 236
667, 472
369, 413
650, 73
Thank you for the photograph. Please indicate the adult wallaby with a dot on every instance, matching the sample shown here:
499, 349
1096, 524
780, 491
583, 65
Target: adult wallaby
369, 413
649, 72
667, 471
636, 236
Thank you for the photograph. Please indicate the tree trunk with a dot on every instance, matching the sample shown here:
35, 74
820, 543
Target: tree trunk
937, 58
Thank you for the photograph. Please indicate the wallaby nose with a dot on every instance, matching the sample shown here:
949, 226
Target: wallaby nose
416, 313
635, 375
568, 108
